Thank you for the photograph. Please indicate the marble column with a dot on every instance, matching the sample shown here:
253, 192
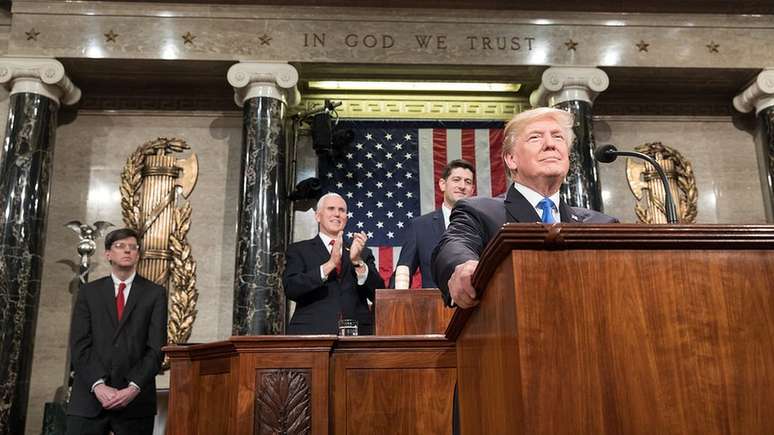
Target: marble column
759, 96
264, 90
574, 90
37, 86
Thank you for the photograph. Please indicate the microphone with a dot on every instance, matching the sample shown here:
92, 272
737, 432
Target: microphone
608, 154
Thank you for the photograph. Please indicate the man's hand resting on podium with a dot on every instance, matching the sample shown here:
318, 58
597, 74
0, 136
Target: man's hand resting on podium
460, 286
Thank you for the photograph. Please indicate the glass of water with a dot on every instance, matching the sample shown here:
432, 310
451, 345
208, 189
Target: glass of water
347, 327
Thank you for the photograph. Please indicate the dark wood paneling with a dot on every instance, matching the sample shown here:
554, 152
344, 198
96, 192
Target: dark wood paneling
215, 404
404, 390
660, 329
411, 312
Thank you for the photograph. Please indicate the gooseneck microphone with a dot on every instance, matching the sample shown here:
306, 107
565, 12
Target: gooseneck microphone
608, 154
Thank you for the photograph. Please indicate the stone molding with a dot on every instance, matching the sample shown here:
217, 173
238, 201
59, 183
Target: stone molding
759, 95
121, 30
256, 79
38, 76
561, 84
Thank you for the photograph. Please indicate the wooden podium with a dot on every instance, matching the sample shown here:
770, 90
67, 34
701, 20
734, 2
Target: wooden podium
410, 312
620, 329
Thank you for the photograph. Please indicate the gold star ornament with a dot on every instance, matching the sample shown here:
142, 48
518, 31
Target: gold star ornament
188, 38
32, 35
642, 46
111, 36
713, 47
571, 45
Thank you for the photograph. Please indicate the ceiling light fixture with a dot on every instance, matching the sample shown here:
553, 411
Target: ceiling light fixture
417, 86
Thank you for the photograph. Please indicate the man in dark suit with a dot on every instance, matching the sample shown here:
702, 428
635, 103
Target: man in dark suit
536, 149
329, 278
424, 232
118, 328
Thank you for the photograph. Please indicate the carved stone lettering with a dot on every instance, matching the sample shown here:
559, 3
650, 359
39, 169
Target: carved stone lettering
382, 41
431, 41
511, 43
314, 40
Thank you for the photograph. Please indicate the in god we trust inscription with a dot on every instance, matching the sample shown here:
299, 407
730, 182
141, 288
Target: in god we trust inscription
420, 41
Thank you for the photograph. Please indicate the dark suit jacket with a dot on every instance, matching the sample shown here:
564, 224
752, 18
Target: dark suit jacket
475, 221
103, 348
320, 303
420, 239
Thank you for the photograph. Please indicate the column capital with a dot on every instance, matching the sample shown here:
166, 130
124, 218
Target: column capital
560, 84
38, 76
759, 95
262, 79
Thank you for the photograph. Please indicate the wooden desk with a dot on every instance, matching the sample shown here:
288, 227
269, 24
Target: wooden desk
324, 384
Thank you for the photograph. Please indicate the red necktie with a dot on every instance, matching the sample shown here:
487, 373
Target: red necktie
338, 263
120, 300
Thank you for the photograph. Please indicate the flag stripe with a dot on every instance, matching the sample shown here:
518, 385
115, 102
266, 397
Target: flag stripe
416, 280
453, 144
497, 168
483, 166
439, 161
385, 264
426, 171
469, 146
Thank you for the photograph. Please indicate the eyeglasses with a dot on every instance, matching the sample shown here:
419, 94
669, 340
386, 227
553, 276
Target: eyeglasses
129, 246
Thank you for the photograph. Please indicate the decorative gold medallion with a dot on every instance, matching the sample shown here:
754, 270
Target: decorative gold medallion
647, 187
154, 191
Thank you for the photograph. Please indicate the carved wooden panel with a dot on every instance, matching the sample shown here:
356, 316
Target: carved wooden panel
283, 402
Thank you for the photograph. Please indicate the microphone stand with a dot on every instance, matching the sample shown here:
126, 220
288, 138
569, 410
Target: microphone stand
671, 212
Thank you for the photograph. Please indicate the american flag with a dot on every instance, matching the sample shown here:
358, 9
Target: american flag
389, 175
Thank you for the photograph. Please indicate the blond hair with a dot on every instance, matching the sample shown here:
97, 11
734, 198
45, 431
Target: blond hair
519, 123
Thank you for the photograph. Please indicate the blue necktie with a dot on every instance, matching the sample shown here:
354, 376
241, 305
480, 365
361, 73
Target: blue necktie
547, 207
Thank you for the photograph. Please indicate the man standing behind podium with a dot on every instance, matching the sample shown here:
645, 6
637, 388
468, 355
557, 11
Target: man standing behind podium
536, 149
329, 278
456, 182
119, 326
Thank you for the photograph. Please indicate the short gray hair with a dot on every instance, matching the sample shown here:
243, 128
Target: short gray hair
328, 195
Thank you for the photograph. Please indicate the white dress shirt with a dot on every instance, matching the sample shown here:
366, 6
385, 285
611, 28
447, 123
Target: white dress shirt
534, 198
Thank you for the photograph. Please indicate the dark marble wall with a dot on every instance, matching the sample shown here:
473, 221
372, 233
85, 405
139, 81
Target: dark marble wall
25, 172
259, 306
581, 188
765, 141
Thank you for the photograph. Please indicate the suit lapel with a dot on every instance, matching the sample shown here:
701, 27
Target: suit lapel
320, 249
346, 264
439, 226
135, 293
519, 209
567, 214
107, 295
